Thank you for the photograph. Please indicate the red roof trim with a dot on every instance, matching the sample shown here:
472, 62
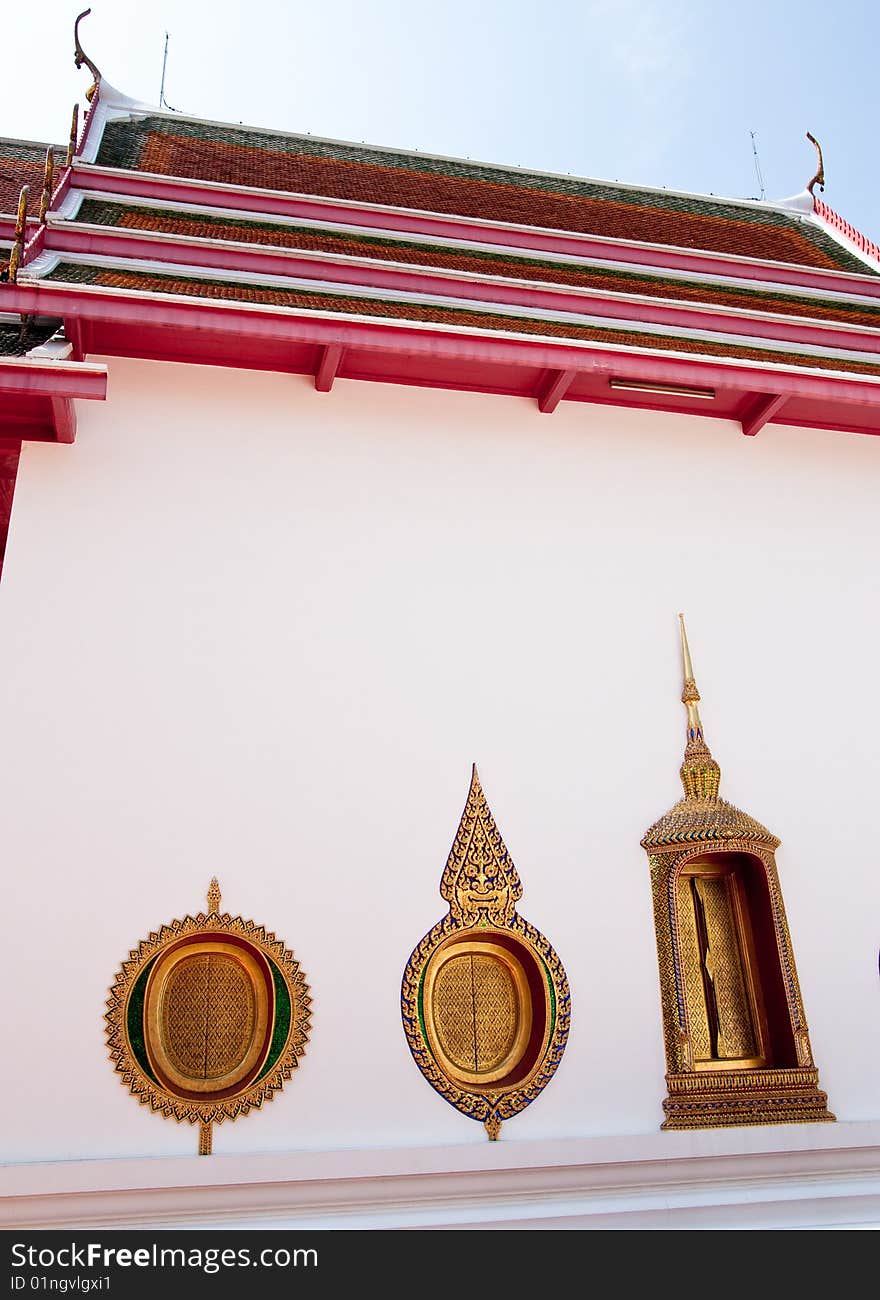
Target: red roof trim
353, 275
390, 220
107, 306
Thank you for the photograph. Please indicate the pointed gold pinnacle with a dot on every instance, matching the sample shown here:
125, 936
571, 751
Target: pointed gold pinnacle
214, 897
690, 696
700, 774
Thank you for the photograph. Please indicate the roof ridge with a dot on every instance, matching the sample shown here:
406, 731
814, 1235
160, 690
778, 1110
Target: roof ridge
125, 108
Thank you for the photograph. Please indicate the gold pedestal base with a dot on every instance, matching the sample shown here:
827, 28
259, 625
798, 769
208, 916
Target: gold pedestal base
723, 1098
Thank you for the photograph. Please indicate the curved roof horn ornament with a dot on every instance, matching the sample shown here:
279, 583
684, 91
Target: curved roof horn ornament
80, 57
819, 178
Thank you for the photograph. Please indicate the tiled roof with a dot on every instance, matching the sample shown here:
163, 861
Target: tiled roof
471, 261
16, 338
22, 163
302, 164
360, 263
388, 309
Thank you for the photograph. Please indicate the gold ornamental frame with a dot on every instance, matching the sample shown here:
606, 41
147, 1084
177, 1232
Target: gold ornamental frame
523, 1015
148, 1006
711, 985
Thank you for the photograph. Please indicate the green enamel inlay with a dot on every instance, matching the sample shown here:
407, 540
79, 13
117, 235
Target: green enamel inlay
283, 1013
134, 1020
421, 1008
552, 997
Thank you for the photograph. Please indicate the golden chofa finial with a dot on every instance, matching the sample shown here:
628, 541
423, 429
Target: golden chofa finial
700, 774
80, 57
819, 178
214, 897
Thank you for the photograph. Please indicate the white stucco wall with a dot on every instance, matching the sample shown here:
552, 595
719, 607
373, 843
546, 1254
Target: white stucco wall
253, 630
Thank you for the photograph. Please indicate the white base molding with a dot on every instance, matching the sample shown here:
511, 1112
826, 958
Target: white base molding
797, 1176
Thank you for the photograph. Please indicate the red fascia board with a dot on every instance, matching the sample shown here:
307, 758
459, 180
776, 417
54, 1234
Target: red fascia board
233, 320
268, 204
57, 379
201, 253
8, 224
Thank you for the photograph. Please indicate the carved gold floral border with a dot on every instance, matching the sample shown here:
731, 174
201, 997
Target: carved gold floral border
488, 1106
152, 1094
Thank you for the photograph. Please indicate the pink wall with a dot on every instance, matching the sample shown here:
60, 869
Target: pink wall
258, 631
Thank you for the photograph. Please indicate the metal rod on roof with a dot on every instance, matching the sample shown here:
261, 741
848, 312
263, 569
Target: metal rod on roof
757, 164
164, 62
163, 102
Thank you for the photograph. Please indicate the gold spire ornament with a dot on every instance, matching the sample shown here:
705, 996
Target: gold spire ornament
208, 1018
700, 774
735, 1034
484, 998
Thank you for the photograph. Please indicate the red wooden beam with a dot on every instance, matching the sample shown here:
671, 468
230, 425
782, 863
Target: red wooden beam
760, 410
76, 332
217, 329
9, 454
552, 388
64, 418
27, 375
328, 367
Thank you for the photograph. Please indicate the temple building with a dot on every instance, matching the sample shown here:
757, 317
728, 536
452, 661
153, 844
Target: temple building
352, 505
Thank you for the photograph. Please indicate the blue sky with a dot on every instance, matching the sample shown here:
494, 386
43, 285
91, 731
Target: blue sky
650, 92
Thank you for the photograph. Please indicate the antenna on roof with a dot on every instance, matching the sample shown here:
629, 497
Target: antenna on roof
163, 102
757, 164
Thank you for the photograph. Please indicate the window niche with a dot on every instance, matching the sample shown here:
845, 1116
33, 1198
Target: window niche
735, 1034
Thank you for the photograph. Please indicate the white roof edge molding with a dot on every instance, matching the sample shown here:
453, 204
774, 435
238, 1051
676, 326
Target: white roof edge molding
54, 349
112, 104
802, 202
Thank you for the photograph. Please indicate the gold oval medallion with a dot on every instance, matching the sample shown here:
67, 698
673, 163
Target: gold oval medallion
208, 1017
478, 1010
206, 1010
